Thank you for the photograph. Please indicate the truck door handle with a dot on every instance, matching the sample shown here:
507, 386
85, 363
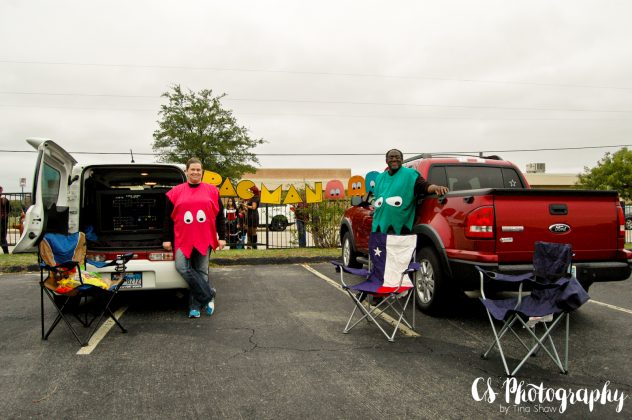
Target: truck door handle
442, 199
558, 209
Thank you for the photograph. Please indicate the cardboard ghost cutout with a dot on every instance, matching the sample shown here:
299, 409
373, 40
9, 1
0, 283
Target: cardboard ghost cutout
394, 201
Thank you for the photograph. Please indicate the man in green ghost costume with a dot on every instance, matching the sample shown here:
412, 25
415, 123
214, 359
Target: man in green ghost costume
395, 193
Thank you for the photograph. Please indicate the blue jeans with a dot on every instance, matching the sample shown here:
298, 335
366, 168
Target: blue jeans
194, 271
300, 228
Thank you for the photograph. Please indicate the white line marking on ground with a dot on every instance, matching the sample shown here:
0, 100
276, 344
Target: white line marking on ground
101, 332
607, 305
403, 328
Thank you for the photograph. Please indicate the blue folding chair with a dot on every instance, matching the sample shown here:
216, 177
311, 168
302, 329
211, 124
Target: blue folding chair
391, 263
554, 294
69, 287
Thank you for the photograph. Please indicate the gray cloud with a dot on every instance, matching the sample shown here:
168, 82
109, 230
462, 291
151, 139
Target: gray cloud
330, 76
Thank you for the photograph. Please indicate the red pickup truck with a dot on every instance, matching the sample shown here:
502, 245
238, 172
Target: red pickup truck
491, 218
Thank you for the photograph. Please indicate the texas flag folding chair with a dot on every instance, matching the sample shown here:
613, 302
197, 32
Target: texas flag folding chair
388, 278
68, 286
554, 294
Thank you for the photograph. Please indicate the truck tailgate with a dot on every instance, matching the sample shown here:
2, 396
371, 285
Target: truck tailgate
585, 219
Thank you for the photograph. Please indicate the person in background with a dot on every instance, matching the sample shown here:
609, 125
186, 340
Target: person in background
252, 216
301, 213
194, 224
5, 209
231, 221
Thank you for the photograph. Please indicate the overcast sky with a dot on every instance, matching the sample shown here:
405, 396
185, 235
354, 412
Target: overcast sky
322, 77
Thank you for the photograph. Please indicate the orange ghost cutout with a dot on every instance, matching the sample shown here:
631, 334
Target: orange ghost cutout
356, 186
334, 190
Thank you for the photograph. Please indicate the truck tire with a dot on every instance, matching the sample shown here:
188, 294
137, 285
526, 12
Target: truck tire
431, 289
278, 223
348, 253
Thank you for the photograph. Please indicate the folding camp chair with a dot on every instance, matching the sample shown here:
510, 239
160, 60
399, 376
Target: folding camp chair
387, 278
554, 294
69, 287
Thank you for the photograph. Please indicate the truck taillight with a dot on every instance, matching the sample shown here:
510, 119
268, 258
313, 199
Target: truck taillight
479, 224
621, 220
160, 256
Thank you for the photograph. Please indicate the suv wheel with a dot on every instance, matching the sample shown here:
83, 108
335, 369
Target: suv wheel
278, 223
430, 285
348, 253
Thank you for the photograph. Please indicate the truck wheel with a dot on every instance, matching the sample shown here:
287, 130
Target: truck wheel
348, 253
585, 284
431, 290
278, 223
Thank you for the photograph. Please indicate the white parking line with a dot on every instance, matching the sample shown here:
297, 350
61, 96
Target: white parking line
403, 328
101, 332
607, 305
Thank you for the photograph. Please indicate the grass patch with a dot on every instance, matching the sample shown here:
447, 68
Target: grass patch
235, 254
13, 260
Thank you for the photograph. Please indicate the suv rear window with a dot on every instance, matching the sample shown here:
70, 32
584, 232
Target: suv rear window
469, 177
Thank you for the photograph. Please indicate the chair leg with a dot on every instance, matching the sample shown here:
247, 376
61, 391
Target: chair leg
60, 317
372, 313
497, 343
540, 344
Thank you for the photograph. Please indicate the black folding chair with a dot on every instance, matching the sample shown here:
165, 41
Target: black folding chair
554, 294
73, 291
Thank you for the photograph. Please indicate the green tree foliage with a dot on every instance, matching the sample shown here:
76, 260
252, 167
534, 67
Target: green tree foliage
195, 124
614, 172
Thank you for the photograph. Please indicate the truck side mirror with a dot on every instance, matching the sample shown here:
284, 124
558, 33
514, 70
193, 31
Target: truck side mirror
356, 200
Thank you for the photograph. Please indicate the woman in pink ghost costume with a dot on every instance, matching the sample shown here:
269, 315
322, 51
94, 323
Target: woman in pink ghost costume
194, 225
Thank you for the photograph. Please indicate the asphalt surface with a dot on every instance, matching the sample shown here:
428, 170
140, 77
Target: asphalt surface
274, 349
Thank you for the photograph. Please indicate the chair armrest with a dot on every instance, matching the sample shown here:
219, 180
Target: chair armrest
413, 266
520, 279
61, 267
508, 278
356, 271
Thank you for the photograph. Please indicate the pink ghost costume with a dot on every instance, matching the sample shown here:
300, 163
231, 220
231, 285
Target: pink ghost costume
195, 210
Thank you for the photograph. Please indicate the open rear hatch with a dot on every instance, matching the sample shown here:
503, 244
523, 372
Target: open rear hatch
123, 206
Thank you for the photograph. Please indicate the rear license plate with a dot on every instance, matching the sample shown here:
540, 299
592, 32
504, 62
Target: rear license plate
132, 280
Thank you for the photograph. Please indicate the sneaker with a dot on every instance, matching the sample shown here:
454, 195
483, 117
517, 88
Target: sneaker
194, 313
210, 308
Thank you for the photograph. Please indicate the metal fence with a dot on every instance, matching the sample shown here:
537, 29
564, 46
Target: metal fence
316, 226
19, 202
313, 225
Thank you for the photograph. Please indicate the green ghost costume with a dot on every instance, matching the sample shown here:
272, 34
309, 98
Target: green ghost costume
395, 201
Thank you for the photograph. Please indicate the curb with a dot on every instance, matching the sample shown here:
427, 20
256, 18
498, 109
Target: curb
214, 262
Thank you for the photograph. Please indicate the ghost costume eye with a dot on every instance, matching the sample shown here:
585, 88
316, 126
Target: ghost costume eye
378, 202
200, 216
394, 201
188, 217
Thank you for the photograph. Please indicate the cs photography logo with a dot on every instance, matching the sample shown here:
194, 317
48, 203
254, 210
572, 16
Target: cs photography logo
521, 397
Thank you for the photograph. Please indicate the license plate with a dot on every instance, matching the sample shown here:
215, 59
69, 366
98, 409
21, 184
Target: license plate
132, 280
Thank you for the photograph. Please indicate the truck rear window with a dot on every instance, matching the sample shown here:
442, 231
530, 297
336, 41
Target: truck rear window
468, 177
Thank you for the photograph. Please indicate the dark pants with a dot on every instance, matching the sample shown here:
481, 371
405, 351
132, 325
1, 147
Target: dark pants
300, 228
4, 225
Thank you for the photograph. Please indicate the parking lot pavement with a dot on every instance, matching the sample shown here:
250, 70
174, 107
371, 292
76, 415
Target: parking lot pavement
274, 349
